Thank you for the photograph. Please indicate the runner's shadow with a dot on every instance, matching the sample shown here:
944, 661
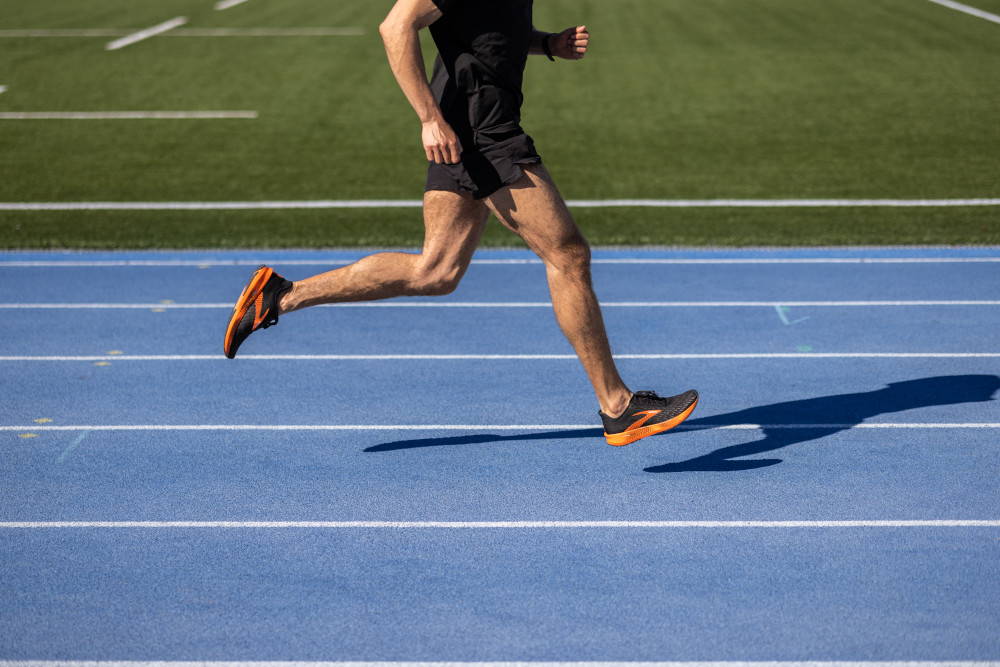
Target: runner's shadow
826, 415
480, 438
814, 414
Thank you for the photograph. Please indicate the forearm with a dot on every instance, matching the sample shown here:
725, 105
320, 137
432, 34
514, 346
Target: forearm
402, 48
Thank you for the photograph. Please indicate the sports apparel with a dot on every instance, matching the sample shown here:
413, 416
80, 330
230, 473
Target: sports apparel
482, 50
648, 414
257, 308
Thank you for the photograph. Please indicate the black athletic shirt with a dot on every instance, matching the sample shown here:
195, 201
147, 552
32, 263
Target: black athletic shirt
483, 47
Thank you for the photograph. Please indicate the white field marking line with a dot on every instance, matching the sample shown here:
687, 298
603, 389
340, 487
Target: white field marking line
226, 4
493, 262
152, 31
959, 7
500, 357
266, 32
902, 523
190, 32
416, 203
508, 304
3, 89
126, 115
63, 32
479, 427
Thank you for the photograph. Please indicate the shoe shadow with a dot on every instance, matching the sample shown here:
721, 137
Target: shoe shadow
815, 415
826, 415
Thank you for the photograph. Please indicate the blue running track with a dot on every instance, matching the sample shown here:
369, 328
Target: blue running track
425, 479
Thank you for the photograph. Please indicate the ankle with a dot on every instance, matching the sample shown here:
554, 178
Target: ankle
615, 406
286, 303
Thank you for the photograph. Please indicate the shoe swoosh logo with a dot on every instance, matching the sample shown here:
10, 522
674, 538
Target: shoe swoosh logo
644, 417
259, 315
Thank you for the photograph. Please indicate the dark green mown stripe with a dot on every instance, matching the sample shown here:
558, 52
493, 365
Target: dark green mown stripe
403, 227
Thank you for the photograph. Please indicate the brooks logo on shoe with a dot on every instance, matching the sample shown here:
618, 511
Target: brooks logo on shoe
644, 417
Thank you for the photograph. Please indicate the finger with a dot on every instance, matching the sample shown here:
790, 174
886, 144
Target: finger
452, 153
436, 155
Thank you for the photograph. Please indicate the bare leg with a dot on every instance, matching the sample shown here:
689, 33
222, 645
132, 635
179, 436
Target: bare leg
534, 209
453, 225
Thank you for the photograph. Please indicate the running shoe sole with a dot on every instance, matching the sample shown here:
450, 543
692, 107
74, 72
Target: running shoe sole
248, 299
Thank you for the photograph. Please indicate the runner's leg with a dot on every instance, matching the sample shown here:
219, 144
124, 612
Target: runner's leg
453, 225
534, 209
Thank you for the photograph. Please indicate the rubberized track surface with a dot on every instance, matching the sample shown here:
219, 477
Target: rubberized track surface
823, 450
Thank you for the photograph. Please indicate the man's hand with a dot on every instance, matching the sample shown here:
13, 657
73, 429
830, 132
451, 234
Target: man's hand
571, 43
441, 143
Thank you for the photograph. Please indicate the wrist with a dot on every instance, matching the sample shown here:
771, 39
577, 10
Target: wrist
546, 47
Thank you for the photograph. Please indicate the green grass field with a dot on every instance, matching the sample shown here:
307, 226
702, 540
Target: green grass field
678, 99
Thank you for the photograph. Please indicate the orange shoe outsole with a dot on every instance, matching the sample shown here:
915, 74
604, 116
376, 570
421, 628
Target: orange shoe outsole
628, 437
247, 297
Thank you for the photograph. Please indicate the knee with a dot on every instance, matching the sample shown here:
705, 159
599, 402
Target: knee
571, 257
435, 281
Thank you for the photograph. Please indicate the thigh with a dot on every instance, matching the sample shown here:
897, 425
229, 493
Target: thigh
534, 210
453, 225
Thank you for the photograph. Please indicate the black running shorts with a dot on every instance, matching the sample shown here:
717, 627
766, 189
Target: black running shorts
488, 165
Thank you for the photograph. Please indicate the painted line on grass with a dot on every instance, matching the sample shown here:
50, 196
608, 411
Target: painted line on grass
486, 427
874, 523
266, 32
966, 9
63, 32
226, 4
497, 357
125, 115
510, 304
212, 263
146, 33
188, 32
3, 89
416, 203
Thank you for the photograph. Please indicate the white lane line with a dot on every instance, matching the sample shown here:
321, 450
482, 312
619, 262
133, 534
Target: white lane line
903, 523
481, 427
297, 663
491, 262
416, 203
3, 89
226, 4
966, 9
188, 32
124, 115
152, 31
508, 304
498, 357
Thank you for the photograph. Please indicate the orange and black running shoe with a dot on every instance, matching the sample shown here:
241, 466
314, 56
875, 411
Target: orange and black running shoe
257, 307
648, 414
